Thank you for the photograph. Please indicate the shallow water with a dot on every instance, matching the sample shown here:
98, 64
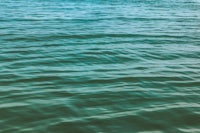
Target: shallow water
72, 66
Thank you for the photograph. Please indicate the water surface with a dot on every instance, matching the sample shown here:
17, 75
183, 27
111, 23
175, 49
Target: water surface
104, 66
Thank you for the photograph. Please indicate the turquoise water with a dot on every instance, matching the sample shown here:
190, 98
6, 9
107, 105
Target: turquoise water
104, 66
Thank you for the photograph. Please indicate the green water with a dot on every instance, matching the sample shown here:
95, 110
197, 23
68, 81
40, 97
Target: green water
104, 66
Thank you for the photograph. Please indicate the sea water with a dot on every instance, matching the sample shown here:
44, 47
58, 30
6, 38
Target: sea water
104, 66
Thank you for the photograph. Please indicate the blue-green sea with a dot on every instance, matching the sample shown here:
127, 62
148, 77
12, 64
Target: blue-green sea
99, 66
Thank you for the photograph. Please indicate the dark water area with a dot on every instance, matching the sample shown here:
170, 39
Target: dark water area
104, 66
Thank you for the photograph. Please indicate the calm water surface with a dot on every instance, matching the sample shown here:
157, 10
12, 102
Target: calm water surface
104, 66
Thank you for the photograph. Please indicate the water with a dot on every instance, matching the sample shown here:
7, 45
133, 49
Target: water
104, 66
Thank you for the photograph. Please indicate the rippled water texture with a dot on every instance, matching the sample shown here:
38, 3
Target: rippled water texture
104, 66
